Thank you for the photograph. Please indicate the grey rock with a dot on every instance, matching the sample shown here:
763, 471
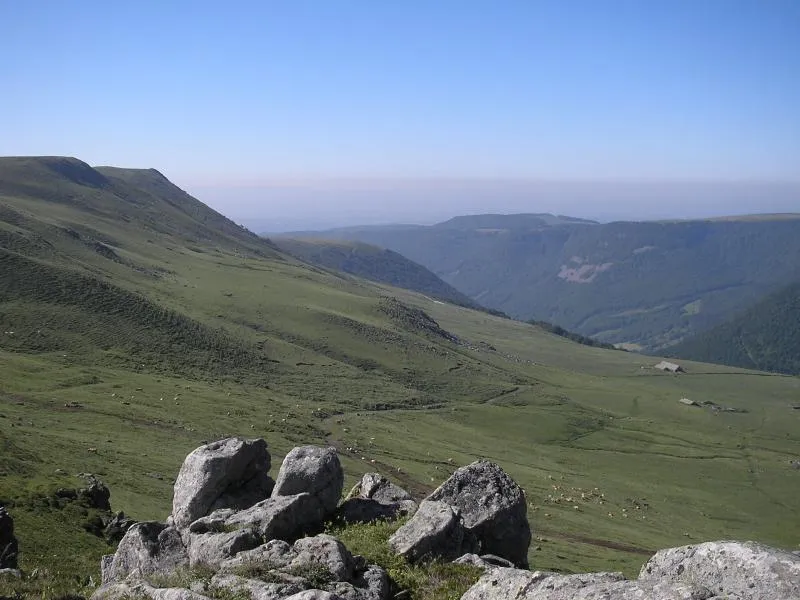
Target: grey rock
314, 595
493, 508
282, 517
95, 494
367, 510
148, 548
487, 561
502, 583
374, 582
435, 531
257, 589
9, 549
117, 527
275, 554
129, 590
375, 498
378, 487
105, 567
211, 549
230, 473
744, 570
325, 551
213, 523
313, 470
15, 573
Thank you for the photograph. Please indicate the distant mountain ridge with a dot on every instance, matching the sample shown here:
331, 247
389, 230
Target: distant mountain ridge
765, 337
373, 263
646, 285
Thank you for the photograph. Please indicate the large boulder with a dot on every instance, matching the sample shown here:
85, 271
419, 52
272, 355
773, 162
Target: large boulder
147, 548
745, 570
435, 531
493, 508
324, 551
314, 470
8, 542
230, 473
501, 584
227, 585
281, 518
375, 498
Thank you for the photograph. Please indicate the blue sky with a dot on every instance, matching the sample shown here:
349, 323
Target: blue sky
292, 106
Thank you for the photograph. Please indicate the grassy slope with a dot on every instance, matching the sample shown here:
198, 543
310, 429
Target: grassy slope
373, 263
766, 336
562, 418
663, 282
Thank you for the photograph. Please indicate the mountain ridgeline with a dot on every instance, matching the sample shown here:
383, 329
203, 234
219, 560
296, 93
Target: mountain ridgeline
373, 263
644, 285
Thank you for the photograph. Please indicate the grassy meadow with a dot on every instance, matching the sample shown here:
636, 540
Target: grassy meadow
194, 337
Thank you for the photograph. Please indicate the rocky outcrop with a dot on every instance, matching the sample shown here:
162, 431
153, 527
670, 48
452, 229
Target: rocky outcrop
492, 507
8, 542
148, 548
230, 473
709, 571
375, 498
436, 531
736, 569
314, 470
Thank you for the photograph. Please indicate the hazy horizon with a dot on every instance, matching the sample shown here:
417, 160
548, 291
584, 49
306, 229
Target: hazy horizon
286, 208
319, 114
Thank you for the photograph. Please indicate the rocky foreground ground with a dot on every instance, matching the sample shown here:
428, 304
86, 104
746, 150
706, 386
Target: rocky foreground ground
237, 534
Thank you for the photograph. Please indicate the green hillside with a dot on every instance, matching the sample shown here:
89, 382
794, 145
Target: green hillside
765, 337
373, 263
137, 324
645, 285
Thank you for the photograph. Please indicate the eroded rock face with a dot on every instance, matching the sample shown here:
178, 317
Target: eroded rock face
211, 549
282, 517
375, 498
493, 508
435, 531
8, 542
148, 548
230, 473
314, 470
737, 569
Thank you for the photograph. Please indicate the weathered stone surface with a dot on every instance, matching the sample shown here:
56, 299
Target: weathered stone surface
230, 473
314, 595
435, 531
129, 590
502, 583
213, 523
487, 561
258, 590
745, 570
211, 549
314, 470
95, 494
493, 508
326, 551
275, 554
375, 498
105, 567
117, 527
374, 581
8, 542
378, 487
282, 517
148, 548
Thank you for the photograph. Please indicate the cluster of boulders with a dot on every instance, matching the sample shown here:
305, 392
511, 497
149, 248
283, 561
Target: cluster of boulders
8, 542
709, 571
236, 532
233, 528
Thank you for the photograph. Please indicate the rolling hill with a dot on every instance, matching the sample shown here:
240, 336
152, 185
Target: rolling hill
764, 337
373, 263
138, 323
644, 285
